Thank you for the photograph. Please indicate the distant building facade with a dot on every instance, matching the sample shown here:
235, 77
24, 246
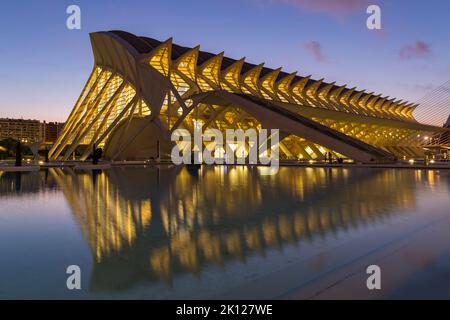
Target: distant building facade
26, 131
52, 130
29, 131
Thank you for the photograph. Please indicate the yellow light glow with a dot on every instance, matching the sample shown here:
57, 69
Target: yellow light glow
108, 99
411, 161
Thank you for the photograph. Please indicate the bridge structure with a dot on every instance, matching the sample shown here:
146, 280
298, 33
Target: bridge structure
141, 90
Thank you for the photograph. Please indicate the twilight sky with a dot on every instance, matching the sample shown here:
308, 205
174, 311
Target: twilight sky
44, 65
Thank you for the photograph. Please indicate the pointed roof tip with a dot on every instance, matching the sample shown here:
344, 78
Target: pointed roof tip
316, 83
240, 61
271, 72
328, 85
331, 85
360, 92
259, 66
340, 87
303, 78
287, 77
408, 104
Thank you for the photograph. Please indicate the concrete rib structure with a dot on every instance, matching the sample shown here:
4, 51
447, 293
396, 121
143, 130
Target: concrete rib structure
142, 89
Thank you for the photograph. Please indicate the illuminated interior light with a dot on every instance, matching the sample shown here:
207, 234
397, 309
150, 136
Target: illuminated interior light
188, 79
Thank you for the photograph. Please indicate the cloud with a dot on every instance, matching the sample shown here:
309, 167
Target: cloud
330, 6
419, 49
315, 49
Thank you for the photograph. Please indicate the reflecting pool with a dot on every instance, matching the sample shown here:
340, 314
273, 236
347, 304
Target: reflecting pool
224, 232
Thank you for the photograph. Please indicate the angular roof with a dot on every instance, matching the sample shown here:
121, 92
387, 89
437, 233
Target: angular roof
145, 45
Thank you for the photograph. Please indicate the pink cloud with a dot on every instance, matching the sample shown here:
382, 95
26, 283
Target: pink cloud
330, 6
315, 49
419, 49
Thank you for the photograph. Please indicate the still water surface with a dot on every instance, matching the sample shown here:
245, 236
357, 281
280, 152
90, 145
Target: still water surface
226, 232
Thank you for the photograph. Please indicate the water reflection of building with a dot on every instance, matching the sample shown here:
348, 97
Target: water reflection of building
151, 224
12, 183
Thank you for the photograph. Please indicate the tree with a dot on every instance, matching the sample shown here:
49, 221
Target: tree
8, 148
